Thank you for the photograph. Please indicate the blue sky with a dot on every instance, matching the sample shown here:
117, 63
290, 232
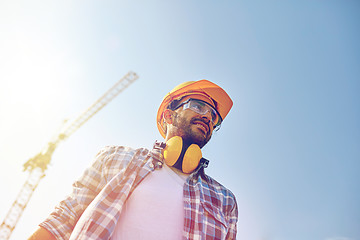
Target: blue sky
290, 147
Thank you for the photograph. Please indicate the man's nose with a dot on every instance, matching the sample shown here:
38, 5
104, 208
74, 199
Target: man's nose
207, 115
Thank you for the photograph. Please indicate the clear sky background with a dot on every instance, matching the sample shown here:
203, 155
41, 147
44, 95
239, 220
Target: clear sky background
289, 148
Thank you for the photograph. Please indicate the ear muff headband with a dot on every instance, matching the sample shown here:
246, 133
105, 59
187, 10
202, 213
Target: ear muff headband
182, 157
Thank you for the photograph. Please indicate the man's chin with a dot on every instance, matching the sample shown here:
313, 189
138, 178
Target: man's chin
200, 140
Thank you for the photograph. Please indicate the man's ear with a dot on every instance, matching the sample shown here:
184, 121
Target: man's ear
168, 116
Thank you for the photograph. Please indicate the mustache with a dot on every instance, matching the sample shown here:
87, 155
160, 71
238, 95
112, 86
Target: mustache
201, 120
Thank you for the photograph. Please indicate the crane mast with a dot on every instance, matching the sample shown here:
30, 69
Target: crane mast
37, 165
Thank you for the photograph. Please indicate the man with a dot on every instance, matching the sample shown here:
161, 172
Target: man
161, 193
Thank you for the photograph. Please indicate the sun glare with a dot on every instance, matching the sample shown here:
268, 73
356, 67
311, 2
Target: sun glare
32, 94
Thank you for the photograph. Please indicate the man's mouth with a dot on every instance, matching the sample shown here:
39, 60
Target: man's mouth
202, 126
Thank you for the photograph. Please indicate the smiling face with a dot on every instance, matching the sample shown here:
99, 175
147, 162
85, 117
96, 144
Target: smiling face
191, 126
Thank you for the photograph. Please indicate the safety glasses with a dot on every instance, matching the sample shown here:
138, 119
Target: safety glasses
203, 108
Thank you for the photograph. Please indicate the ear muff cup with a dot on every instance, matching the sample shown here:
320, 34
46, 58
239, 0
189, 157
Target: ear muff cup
185, 158
173, 150
191, 158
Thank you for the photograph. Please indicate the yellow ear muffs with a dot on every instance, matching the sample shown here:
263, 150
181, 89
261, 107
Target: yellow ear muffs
173, 150
182, 157
192, 158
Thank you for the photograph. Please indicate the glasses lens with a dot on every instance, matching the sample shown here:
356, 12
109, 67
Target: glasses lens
202, 108
214, 116
198, 106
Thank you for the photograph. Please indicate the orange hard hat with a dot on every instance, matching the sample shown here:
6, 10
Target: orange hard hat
210, 92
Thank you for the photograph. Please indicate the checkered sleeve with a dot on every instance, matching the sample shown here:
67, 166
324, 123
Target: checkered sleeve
63, 219
232, 219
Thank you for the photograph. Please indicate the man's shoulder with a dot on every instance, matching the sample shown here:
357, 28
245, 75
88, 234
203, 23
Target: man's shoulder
113, 158
120, 153
120, 149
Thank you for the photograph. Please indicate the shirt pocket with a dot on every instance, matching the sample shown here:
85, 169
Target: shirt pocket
215, 213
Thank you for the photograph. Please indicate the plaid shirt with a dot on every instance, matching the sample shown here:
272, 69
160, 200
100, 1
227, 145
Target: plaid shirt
98, 196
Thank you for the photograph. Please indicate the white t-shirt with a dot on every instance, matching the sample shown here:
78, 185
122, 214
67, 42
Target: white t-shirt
155, 209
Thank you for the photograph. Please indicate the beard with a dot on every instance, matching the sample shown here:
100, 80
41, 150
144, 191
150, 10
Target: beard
185, 130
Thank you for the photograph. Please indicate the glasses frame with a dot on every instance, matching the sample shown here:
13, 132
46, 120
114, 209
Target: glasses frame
217, 125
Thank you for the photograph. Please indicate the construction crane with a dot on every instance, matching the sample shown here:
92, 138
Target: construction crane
38, 165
